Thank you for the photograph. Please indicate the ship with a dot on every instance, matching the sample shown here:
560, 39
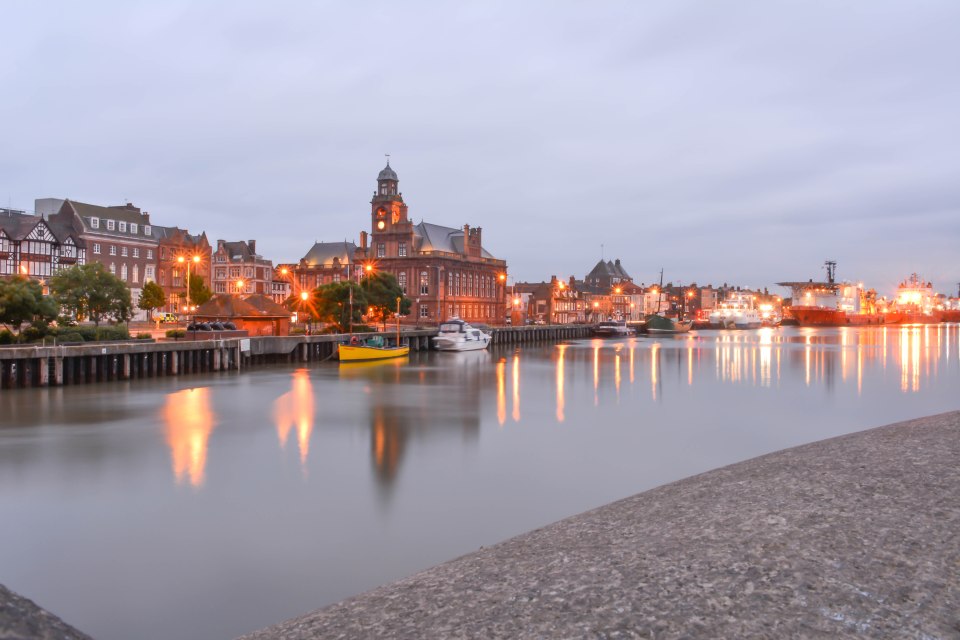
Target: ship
916, 303
832, 303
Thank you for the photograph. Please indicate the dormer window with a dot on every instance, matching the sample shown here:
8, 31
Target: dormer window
94, 223
146, 230
123, 226
133, 227
111, 225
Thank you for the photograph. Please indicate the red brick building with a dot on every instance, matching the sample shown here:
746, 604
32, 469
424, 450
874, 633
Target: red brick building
173, 244
119, 237
239, 269
444, 270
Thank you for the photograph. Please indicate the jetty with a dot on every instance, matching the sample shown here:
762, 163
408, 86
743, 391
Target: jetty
36, 365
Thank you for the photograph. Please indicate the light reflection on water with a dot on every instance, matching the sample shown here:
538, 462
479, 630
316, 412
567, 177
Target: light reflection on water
112, 494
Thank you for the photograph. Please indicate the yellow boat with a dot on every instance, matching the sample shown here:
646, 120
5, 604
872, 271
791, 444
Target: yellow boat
372, 349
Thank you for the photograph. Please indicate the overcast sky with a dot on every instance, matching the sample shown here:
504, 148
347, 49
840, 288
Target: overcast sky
740, 142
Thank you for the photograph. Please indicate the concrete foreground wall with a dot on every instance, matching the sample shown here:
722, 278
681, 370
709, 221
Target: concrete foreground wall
857, 536
21, 619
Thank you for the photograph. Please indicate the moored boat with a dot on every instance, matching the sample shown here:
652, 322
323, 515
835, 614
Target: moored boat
916, 303
374, 348
657, 324
831, 303
738, 311
612, 329
457, 335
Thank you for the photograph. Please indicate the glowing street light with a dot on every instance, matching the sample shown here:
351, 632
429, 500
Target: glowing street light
183, 259
240, 285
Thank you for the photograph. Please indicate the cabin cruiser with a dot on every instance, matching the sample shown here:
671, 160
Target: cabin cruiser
457, 335
612, 329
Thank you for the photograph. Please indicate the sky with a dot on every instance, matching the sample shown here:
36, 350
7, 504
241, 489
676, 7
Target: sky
731, 142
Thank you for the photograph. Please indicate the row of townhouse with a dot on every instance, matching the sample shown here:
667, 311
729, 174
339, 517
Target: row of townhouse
62, 233
608, 292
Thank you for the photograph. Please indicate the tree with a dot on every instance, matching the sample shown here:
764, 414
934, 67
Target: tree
331, 303
90, 291
152, 297
22, 300
382, 291
199, 292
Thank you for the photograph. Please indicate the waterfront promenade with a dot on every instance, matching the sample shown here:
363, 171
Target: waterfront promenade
855, 536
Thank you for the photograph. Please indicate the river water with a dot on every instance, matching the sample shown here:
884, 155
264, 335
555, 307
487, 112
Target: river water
210, 506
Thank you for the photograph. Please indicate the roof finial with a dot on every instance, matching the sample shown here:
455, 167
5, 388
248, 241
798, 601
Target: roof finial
388, 158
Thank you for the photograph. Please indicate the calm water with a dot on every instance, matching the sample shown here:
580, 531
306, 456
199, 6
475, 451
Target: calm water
208, 507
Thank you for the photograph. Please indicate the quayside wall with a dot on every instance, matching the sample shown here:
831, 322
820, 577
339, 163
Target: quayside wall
42, 366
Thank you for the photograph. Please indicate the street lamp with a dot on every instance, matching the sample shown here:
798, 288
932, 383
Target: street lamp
304, 297
183, 259
240, 284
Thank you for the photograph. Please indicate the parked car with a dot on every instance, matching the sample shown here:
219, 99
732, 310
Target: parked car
166, 317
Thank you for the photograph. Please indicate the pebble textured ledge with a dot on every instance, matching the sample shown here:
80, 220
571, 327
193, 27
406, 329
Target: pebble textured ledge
857, 536
21, 619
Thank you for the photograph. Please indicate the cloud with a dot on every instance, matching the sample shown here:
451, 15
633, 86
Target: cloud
735, 141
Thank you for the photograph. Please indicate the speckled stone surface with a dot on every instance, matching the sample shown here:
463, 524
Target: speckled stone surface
21, 619
857, 536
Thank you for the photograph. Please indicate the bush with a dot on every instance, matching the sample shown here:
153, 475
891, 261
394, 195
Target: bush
107, 332
69, 336
176, 333
32, 334
297, 331
7, 337
144, 336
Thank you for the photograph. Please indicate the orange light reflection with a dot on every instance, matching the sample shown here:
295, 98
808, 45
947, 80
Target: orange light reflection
189, 422
296, 408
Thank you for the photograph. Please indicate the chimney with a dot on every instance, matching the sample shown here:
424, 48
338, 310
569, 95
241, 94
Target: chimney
253, 246
220, 244
363, 240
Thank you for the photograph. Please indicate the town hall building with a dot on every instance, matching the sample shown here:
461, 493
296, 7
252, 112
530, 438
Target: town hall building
445, 271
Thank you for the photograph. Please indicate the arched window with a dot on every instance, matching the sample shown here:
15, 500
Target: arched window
123, 271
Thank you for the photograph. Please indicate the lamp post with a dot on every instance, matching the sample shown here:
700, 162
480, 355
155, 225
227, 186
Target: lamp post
183, 259
503, 283
304, 297
439, 285
398, 321
240, 285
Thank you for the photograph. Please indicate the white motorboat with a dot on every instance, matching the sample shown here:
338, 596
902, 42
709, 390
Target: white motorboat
612, 329
457, 335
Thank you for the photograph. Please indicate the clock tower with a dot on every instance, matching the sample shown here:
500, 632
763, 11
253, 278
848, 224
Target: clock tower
389, 213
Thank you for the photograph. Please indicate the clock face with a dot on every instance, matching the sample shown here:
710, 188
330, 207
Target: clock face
381, 224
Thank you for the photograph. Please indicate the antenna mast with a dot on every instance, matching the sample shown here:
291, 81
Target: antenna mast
831, 270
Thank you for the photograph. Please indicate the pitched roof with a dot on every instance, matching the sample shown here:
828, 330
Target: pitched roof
176, 233
433, 237
265, 305
227, 306
18, 226
323, 253
608, 269
126, 213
